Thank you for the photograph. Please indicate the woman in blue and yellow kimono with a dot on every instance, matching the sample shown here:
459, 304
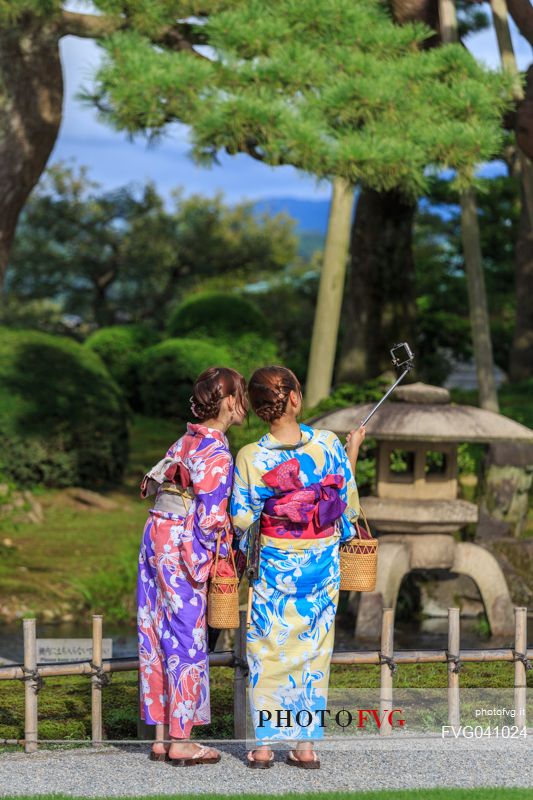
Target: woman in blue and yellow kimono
299, 484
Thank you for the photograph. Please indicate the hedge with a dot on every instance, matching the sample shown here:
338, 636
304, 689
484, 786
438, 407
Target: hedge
217, 314
120, 347
62, 417
168, 370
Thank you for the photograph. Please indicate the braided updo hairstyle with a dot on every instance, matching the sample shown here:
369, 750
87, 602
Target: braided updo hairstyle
269, 390
210, 388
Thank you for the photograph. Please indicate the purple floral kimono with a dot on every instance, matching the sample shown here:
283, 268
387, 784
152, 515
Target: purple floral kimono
175, 558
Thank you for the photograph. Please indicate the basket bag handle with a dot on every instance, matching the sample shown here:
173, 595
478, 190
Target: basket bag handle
358, 526
217, 554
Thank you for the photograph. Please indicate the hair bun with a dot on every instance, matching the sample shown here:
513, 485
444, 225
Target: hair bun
210, 388
269, 389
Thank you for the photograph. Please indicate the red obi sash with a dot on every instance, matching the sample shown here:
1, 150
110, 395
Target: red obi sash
297, 511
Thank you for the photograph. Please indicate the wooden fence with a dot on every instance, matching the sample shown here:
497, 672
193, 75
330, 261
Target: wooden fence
386, 658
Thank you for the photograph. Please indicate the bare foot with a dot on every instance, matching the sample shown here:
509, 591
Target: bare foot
304, 753
188, 750
262, 753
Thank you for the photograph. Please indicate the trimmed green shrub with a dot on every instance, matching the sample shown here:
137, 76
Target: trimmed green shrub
250, 351
217, 315
62, 417
120, 347
168, 370
28, 461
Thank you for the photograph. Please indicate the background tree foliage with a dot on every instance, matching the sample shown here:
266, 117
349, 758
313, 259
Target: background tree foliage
442, 325
119, 256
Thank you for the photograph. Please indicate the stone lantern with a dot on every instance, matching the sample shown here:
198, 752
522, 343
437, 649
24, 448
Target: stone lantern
415, 508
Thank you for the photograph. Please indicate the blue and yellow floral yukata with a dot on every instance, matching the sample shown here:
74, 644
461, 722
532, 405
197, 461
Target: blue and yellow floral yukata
306, 499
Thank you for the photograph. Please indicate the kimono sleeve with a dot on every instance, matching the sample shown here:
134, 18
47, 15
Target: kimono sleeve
211, 481
248, 496
348, 493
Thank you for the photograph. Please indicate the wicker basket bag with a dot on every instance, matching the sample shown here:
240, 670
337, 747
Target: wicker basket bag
359, 561
223, 594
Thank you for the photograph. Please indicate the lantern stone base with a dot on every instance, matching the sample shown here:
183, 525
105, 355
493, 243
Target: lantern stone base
398, 554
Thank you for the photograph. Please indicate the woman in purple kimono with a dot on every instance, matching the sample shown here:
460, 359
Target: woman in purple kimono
192, 486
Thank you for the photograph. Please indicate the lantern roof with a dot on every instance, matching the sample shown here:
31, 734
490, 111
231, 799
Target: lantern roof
425, 413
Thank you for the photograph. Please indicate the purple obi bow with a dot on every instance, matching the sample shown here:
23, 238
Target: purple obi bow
318, 503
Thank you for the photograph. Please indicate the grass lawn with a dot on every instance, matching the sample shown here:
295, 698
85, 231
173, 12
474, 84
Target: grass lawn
82, 559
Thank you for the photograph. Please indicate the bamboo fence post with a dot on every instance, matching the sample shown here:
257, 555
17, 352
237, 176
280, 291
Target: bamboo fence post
31, 686
96, 681
239, 680
454, 628
387, 649
520, 670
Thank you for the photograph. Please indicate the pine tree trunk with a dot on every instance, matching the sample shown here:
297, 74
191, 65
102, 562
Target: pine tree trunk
521, 358
380, 303
330, 293
31, 97
379, 307
477, 296
477, 302
416, 11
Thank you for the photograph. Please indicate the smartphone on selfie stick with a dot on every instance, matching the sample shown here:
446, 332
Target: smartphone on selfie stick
402, 358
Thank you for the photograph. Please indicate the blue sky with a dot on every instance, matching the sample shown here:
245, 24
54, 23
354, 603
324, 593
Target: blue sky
114, 161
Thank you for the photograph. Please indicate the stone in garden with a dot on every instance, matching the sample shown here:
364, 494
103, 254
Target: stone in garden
91, 499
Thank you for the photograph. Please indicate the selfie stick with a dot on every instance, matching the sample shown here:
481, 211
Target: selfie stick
387, 393
408, 364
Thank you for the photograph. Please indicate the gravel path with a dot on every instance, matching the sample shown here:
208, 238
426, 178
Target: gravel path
371, 763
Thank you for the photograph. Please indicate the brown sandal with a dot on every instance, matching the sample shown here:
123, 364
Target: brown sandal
292, 761
198, 758
158, 756
259, 763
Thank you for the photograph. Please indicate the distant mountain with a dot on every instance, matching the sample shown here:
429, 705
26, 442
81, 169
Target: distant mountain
310, 215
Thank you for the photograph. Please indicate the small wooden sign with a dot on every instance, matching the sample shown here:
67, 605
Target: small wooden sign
51, 650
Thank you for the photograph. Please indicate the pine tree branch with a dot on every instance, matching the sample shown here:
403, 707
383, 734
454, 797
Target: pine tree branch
250, 147
181, 36
86, 26
522, 14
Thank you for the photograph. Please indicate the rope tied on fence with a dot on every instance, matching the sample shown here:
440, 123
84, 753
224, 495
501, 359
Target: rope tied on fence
35, 676
517, 656
102, 678
391, 663
241, 663
451, 658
